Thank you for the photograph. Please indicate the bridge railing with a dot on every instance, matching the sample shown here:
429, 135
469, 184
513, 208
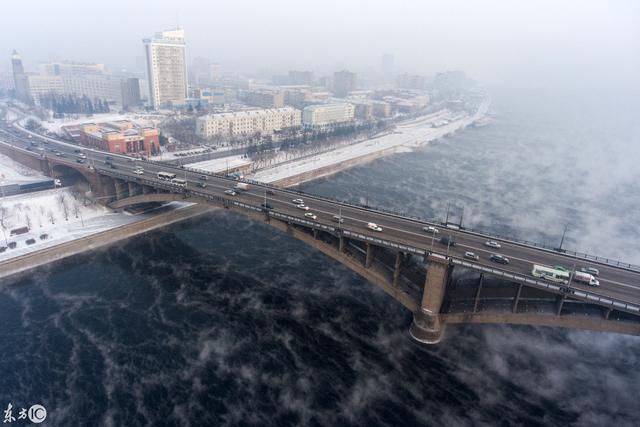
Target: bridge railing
614, 303
405, 215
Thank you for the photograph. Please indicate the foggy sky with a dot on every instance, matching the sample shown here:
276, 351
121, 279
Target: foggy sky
546, 40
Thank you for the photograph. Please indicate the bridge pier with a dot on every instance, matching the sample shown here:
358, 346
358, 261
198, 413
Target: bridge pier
517, 299
134, 188
315, 233
341, 244
369, 258
560, 301
475, 303
427, 326
122, 188
396, 268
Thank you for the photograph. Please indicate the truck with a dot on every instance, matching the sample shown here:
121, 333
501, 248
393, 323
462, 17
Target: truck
242, 186
585, 278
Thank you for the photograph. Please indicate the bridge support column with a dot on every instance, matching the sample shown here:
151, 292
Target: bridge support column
369, 258
517, 299
134, 189
475, 303
315, 233
427, 327
122, 189
397, 267
147, 189
561, 299
341, 243
607, 313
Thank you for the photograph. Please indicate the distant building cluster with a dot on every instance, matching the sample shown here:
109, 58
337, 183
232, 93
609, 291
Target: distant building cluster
264, 98
120, 137
243, 123
89, 80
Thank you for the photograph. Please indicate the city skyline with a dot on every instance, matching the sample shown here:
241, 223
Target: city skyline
493, 49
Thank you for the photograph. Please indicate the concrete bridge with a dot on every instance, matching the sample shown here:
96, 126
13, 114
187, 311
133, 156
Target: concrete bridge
434, 281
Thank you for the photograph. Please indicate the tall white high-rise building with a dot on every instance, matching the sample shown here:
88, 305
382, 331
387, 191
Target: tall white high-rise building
167, 68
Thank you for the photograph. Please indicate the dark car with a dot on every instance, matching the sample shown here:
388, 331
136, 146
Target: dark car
113, 166
271, 192
30, 241
446, 240
44, 236
202, 185
500, 259
204, 177
12, 245
3, 248
267, 205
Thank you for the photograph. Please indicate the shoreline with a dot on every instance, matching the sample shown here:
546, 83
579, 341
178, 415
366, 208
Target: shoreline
19, 266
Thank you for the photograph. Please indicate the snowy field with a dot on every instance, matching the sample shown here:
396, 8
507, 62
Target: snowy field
12, 172
406, 136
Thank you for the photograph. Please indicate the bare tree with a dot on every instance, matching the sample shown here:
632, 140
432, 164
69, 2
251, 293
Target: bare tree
65, 210
76, 209
28, 221
51, 216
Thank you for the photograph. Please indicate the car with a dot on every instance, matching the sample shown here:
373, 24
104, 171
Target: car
303, 207
230, 192
80, 160
500, 259
298, 202
108, 158
311, 215
448, 240
91, 168
77, 150
12, 245
131, 159
30, 241
271, 193
204, 177
338, 219
267, 206
591, 270
113, 166
202, 185
471, 255
44, 236
139, 171
430, 229
492, 244
373, 226
561, 268
3, 248
82, 156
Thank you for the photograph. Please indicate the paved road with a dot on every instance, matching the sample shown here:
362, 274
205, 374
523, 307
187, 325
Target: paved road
616, 283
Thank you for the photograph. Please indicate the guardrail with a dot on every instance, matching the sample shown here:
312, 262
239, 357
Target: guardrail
403, 215
615, 303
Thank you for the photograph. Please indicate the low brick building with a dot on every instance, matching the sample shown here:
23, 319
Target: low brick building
121, 137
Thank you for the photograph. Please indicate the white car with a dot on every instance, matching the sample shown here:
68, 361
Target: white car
138, 171
298, 202
431, 230
373, 226
471, 255
492, 244
303, 207
230, 192
311, 215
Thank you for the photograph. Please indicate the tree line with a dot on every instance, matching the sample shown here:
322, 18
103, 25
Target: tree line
73, 104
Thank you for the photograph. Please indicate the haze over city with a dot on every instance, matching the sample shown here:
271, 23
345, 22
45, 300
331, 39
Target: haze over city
491, 40
338, 213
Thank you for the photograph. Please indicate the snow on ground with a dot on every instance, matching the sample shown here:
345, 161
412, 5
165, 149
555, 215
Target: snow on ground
12, 172
222, 164
50, 226
407, 135
142, 119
